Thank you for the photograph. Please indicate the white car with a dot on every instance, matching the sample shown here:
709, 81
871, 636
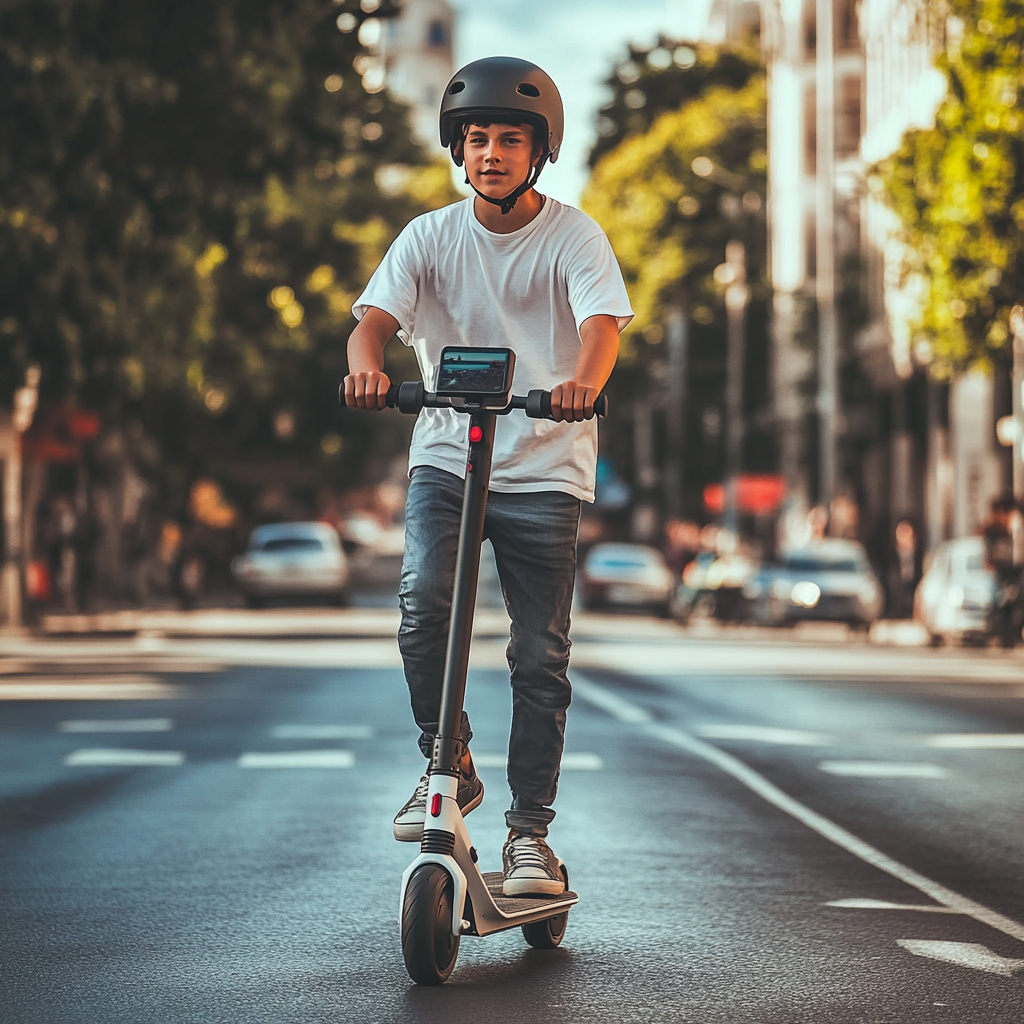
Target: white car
292, 560
632, 575
955, 597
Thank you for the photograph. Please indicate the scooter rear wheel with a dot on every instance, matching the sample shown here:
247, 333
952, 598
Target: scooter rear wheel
549, 933
428, 946
546, 934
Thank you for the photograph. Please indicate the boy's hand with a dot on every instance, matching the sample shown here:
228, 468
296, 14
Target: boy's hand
572, 401
367, 390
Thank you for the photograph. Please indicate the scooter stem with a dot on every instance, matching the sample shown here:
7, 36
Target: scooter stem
467, 567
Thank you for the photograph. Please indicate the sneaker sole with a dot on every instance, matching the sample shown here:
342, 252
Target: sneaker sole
533, 887
413, 832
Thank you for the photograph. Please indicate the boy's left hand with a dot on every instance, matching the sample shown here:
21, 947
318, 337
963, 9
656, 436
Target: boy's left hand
572, 401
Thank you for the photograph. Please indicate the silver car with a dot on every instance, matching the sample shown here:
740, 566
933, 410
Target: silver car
955, 597
292, 560
829, 580
630, 575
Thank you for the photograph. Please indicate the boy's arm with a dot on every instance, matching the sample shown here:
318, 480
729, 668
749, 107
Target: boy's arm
573, 400
366, 386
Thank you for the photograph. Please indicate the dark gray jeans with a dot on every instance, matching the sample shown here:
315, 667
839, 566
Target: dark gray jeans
534, 541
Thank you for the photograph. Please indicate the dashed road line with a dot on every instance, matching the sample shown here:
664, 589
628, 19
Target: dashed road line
977, 741
323, 732
964, 954
861, 903
116, 725
91, 757
883, 770
765, 734
600, 697
298, 759
582, 762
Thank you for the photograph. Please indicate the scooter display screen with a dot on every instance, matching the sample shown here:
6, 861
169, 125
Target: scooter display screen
476, 374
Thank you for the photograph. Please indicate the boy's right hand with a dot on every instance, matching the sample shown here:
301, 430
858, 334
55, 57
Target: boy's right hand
367, 390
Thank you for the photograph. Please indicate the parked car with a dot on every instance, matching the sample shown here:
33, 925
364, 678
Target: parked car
955, 597
626, 575
292, 560
829, 580
691, 585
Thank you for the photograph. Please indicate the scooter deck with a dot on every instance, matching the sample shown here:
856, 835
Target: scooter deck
519, 904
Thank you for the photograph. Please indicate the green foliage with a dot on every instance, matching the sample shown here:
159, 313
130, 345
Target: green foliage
190, 199
957, 190
654, 81
667, 224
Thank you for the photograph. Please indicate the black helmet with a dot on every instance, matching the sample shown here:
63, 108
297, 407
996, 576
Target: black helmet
495, 88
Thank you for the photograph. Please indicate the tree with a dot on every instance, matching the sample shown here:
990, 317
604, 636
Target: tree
190, 199
957, 190
657, 80
670, 198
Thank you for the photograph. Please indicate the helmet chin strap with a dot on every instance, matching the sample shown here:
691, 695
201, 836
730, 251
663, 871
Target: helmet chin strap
507, 204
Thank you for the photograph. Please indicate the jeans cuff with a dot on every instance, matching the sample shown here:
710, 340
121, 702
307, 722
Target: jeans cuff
530, 823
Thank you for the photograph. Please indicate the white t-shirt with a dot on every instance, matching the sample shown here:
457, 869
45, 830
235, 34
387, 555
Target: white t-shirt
448, 280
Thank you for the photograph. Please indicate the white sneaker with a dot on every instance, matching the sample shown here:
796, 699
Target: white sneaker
530, 868
409, 820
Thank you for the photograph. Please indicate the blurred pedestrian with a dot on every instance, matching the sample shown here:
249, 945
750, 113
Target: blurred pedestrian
998, 535
906, 569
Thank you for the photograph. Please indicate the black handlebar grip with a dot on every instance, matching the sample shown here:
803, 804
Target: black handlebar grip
538, 405
392, 398
410, 396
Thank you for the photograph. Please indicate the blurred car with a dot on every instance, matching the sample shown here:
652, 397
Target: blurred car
829, 580
955, 598
292, 560
626, 575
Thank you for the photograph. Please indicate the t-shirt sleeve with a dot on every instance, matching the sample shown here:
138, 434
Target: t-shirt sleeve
595, 284
394, 284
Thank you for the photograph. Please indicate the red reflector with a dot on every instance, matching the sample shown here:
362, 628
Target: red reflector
476, 434
435, 805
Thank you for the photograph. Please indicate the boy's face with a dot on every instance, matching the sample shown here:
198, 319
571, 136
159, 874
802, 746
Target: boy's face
499, 157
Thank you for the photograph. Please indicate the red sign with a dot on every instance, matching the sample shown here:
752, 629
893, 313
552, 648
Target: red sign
57, 433
758, 494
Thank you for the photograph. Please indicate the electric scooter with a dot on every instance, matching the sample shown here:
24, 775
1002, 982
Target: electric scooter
444, 893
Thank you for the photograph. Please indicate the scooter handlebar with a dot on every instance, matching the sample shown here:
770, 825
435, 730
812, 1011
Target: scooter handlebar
410, 396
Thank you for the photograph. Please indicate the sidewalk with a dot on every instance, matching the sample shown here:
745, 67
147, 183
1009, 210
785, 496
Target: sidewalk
355, 623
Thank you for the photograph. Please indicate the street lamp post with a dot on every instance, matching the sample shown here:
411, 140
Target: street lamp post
25, 400
675, 410
1017, 326
824, 275
733, 274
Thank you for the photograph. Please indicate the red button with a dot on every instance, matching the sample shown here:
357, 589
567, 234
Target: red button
435, 805
476, 434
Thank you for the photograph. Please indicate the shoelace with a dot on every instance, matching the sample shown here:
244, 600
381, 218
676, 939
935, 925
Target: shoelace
420, 793
526, 852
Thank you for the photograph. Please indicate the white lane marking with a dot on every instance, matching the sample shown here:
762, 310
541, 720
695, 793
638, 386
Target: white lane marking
964, 954
299, 759
117, 725
570, 762
89, 688
824, 827
113, 757
977, 741
323, 732
861, 903
618, 708
883, 769
765, 734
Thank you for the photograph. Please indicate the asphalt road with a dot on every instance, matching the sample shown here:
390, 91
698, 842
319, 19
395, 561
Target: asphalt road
773, 835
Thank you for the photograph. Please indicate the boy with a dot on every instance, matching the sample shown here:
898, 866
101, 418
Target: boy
508, 268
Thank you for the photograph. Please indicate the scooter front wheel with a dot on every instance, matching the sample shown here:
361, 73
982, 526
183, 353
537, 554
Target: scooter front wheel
428, 946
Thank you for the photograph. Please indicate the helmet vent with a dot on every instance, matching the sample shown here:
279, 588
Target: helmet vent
527, 89
456, 87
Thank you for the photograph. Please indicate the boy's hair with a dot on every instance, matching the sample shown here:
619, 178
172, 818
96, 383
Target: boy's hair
526, 122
